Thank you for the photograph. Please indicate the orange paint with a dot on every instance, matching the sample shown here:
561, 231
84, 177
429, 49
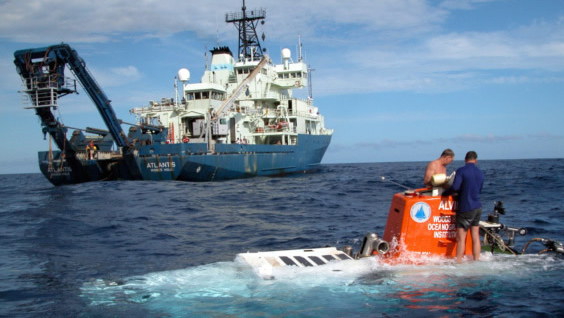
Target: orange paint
423, 224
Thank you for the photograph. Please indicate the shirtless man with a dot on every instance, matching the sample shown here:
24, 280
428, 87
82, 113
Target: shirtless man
438, 166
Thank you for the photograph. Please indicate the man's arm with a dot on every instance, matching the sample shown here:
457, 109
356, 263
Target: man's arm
429, 172
455, 187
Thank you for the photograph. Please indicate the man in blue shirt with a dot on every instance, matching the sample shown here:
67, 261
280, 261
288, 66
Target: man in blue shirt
468, 184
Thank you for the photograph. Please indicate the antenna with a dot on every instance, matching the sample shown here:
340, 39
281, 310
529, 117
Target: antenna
246, 23
309, 86
206, 55
299, 48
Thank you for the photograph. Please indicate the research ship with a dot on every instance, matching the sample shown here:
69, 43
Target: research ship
241, 120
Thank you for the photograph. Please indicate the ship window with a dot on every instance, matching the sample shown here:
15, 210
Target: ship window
198, 95
329, 257
285, 75
190, 96
343, 256
217, 96
288, 261
279, 75
299, 75
303, 261
316, 260
205, 95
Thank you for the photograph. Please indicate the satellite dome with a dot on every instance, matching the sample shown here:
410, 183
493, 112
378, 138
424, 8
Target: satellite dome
286, 53
184, 75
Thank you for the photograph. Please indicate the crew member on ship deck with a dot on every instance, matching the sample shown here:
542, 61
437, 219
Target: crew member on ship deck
90, 150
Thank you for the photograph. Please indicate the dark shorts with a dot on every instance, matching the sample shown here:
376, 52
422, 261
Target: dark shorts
468, 219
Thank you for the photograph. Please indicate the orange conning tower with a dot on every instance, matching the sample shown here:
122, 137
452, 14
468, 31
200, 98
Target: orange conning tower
423, 224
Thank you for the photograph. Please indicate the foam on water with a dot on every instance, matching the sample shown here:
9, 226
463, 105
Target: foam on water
366, 284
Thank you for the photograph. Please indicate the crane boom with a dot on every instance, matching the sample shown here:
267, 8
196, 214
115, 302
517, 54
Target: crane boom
42, 72
35, 66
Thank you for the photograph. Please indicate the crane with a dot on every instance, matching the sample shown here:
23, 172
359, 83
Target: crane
42, 72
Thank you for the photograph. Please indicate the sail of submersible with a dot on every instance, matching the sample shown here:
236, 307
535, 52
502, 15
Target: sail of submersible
241, 120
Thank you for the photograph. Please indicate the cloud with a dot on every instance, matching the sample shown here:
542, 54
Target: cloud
488, 138
128, 71
457, 51
117, 76
105, 20
398, 46
386, 143
450, 62
510, 80
546, 136
462, 4
389, 143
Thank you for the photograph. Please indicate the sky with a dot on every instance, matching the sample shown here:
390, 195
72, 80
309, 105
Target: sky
397, 80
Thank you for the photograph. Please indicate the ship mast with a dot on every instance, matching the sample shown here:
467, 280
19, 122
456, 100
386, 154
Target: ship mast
246, 23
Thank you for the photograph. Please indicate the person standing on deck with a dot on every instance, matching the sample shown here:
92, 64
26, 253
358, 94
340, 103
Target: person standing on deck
468, 184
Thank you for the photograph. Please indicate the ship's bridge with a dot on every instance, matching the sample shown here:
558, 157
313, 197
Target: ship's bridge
247, 66
291, 75
199, 91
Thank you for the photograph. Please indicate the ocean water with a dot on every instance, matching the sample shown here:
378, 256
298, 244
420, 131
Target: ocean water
158, 249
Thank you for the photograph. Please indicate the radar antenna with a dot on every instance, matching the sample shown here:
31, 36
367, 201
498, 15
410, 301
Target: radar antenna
246, 23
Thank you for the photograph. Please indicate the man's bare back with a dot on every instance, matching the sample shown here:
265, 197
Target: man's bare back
438, 166
434, 167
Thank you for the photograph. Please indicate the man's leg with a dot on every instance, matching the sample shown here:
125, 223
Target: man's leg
460, 243
476, 247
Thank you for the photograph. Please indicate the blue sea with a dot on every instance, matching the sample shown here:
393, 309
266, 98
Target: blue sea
168, 249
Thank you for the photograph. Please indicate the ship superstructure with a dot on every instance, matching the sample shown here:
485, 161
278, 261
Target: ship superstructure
244, 99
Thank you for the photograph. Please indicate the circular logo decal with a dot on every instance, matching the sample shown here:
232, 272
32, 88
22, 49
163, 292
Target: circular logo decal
420, 212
